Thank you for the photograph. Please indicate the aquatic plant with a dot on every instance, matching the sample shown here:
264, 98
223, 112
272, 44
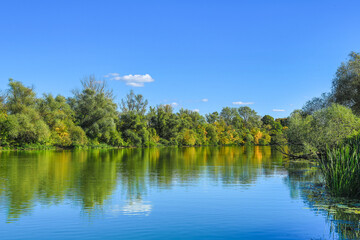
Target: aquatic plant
341, 168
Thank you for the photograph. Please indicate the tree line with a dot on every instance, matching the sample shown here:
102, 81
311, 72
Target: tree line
91, 117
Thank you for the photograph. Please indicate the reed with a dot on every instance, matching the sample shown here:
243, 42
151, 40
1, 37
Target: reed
341, 169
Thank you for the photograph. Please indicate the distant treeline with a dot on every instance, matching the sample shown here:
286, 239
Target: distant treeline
91, 117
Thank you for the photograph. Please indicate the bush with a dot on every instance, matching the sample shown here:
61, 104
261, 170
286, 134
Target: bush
249, 138
329, 126
164, 142
133, 140
187, 137
115, 139
78, 136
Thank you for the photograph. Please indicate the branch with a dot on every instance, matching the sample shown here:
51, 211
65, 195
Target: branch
281, 149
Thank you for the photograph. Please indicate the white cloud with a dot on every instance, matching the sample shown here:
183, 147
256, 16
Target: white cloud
137, 208
204, 100
243, 103
278, 110
135, 84
135, 80
112, 75
196, 110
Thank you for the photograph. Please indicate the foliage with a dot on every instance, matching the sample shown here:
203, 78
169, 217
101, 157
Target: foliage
346, 84
250, 117
345, 88
212, 117
283, 121
329, 126
95, 110
317, 103
134, 103
187, 137
21, 120
20, 99
133, 123
90, 117
164, 121
341, 168
59, 116
267, 120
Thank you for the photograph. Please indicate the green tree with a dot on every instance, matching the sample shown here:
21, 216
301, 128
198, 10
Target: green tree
212, 134
2, 102
328, 126
59, 116
250, 117
282, 121
165, 122
133, 122
229, 115
190, 119
346, 84
3, 122
267, 120
317, 103
134, 103
212, 117
95, 110
187, 137
26, 126
20, 98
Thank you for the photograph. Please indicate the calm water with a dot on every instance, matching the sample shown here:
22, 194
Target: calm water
163, 193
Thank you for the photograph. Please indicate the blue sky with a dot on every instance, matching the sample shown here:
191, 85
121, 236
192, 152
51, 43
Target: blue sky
271, 54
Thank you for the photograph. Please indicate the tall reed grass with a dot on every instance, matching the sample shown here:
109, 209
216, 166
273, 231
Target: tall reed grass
341, 168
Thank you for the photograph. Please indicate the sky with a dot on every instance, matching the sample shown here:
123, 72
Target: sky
269, 55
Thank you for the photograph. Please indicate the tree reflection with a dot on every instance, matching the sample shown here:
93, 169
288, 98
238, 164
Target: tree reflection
91, 177
304, 181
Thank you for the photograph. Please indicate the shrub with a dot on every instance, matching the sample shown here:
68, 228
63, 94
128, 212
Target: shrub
328, 126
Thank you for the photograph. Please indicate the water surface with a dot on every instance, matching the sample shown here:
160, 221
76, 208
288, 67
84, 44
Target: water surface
163, 193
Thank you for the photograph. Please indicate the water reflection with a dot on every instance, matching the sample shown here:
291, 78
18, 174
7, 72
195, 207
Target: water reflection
305, 181
89, 178
118, 182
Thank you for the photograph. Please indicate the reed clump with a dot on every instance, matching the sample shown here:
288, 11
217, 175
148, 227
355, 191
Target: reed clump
341, 168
